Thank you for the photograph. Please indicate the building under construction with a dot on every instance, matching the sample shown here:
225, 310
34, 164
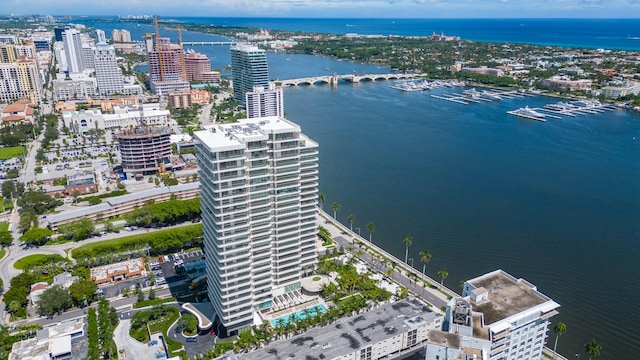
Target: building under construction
144, 150
166, 64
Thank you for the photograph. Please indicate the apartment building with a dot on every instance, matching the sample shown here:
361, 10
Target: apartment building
263, 102
248, 69
259, 186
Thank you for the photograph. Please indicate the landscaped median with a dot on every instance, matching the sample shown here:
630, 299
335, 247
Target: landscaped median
156, 320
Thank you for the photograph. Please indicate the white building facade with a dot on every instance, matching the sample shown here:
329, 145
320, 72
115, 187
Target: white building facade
263, 102
259, 186
108, 73
73, 50
506, 317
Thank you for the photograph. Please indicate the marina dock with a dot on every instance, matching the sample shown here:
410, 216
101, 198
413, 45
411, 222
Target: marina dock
571, 109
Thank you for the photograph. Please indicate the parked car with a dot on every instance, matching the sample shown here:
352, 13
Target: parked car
192, 339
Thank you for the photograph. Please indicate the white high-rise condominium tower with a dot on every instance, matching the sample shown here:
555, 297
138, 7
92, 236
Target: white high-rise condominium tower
248, 69
73, 50
259, 187
265, 102
108, 73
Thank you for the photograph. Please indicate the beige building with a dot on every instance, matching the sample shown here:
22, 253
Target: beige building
20, 79
118, 271
565, 83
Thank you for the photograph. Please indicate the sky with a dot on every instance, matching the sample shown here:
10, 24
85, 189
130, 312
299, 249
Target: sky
335, 8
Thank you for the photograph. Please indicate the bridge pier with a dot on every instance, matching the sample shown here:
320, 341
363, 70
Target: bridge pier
334, 80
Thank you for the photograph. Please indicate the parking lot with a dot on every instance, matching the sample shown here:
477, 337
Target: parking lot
169, 269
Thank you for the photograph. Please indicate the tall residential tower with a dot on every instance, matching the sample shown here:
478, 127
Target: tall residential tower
259, 187
248, 69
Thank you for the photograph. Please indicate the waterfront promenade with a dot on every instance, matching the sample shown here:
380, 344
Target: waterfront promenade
424, 287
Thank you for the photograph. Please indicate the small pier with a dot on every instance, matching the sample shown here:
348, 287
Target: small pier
488, 95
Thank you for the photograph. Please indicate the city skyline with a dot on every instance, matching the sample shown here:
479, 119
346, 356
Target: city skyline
346, 8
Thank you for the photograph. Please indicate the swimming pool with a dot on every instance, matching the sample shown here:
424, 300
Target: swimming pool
312, 311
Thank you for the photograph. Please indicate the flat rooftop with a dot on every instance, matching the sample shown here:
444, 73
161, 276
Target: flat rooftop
508, 296
349, 334
245, 130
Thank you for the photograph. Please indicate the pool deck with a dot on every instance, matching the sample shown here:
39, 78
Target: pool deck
271, 315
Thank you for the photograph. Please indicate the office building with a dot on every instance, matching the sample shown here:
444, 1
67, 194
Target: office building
505, 317
248, 69
108, 73
20, 79
259, 190
73, 50
81, 87
88, 56
198, 68
101, 36
261, 102
144, 150
58, 31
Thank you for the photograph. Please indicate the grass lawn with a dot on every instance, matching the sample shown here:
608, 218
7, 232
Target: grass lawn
163, 327
4, 226
2, 252
36, 260
11, 152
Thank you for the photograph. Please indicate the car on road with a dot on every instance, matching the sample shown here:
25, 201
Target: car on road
192, 339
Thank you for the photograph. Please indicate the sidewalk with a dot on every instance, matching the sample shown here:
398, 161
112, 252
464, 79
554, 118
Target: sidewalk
338, 230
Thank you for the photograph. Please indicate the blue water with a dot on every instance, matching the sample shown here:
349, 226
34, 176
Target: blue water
300, 315
588, 33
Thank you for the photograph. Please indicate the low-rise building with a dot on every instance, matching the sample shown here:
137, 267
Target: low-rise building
52, 342
565, 83
621, 89
118, 271
20, 111
120, 205
484, 70
387, 331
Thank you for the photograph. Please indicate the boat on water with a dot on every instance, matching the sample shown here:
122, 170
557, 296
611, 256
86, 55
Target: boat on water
528, 113
491, 95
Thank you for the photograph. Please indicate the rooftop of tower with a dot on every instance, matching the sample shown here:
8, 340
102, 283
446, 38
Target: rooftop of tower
506, 296
235, 135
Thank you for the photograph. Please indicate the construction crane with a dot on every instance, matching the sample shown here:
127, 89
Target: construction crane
155, 22
184, 70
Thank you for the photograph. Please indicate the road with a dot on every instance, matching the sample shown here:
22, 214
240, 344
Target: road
431, 295
205, 115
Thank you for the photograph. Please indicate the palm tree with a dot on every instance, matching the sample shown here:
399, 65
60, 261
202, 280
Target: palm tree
425, 256
592, 348
321, 200
351, 219
443, 275
407, 242
371, 226
559, 329
335, 207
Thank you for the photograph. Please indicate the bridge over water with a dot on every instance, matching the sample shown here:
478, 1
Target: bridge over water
208, 43
335, 79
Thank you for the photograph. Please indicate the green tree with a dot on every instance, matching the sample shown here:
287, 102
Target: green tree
425, 256
8, 188
559, 329
77, 230
592, 348
442, 273
321, 199
335, 207
38, 201
351, 219
5, 237
408, 240
152, 294
371, 226
54, 300
36, 236
82, 292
